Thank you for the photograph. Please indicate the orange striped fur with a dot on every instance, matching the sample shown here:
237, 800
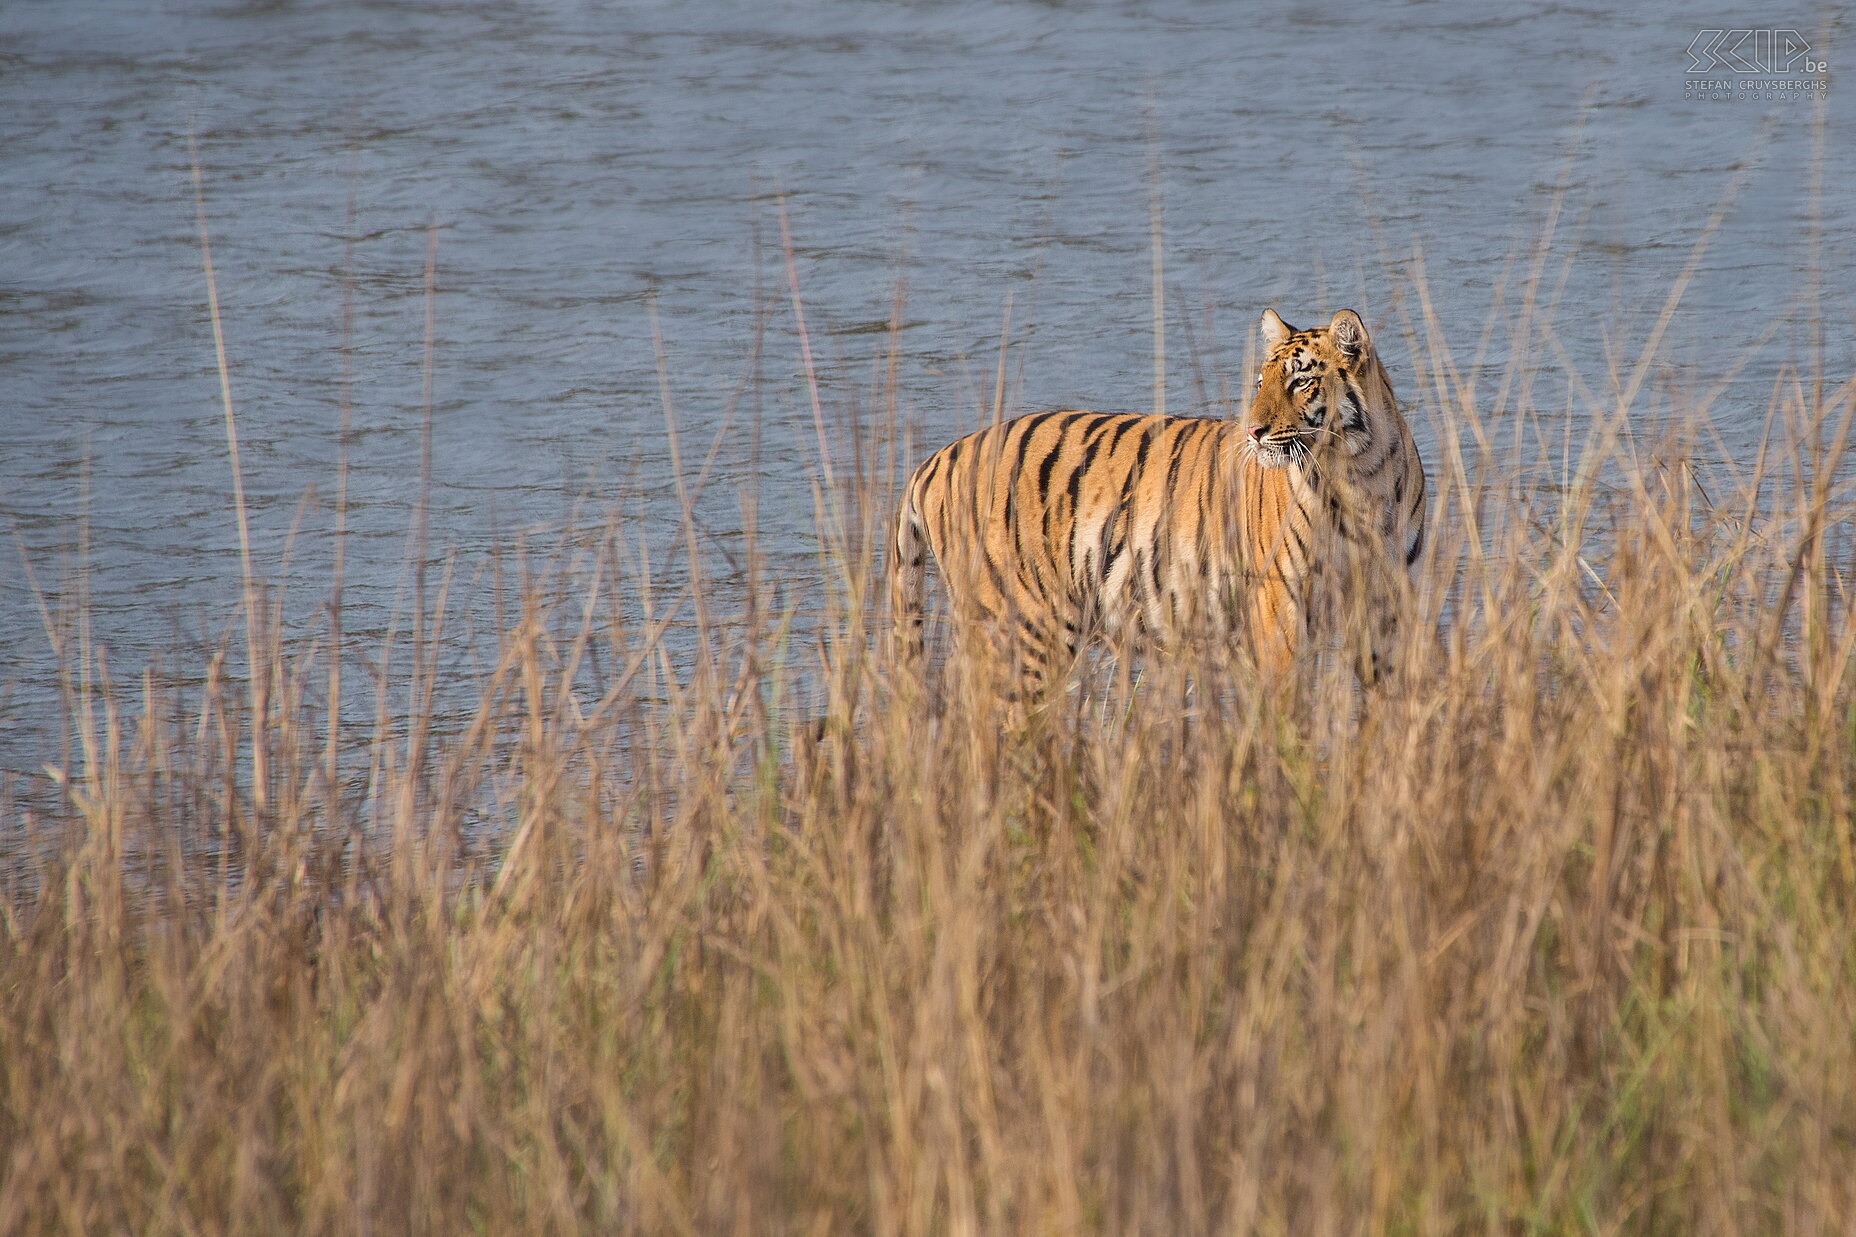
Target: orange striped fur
1058, 527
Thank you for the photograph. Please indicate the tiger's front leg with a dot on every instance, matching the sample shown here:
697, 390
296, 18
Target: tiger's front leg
1275, 629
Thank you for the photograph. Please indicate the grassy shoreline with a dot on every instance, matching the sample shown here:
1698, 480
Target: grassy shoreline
1552, 934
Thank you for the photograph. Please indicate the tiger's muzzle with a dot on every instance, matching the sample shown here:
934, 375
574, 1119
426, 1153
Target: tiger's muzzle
1280, 448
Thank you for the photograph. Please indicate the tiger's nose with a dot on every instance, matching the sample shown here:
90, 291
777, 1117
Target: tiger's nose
1256, 432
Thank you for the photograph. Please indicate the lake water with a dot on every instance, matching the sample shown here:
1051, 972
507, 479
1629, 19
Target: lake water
578, 162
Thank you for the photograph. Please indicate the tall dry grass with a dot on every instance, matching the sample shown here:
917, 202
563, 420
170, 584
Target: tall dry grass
1550, 934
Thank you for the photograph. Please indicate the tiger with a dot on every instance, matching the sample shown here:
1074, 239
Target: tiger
1305, 516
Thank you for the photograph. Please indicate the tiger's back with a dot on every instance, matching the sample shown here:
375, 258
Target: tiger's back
1076, 520
1057, 526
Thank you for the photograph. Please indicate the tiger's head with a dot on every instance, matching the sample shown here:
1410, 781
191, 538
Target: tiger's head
1319, 392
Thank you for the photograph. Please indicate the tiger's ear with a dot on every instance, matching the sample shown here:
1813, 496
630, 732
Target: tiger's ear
1275, 330
1348, 333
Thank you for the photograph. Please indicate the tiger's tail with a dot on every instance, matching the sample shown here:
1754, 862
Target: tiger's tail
908, 575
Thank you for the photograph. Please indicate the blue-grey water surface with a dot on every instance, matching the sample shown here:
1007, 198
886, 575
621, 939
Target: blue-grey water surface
581, 160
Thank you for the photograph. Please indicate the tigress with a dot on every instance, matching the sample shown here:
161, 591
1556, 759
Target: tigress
1056, 527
